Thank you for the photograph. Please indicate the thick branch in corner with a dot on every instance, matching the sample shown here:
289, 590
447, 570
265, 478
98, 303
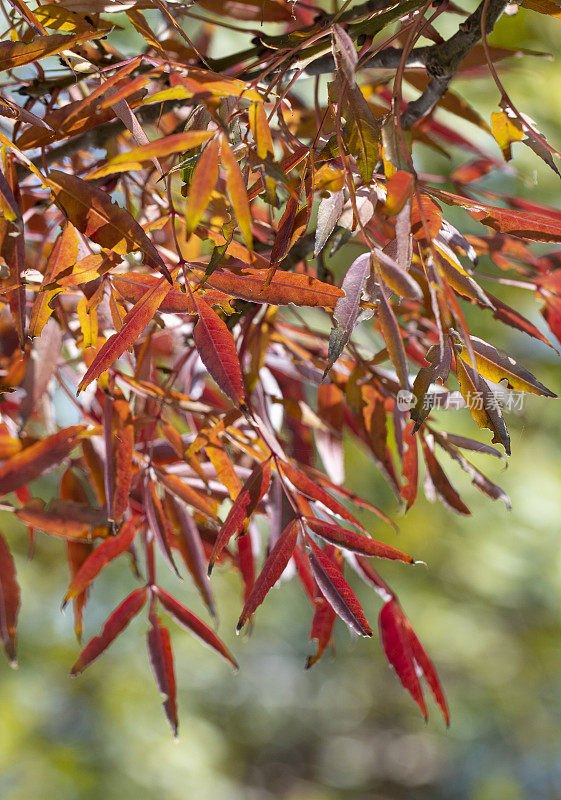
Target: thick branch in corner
443, 60
440, 60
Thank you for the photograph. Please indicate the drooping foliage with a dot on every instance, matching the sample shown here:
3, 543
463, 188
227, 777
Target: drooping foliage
171, 210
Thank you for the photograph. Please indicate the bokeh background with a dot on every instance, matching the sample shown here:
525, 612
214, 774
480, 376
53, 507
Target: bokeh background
487, 607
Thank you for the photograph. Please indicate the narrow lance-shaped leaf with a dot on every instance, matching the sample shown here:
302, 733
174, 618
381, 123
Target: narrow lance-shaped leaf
16, 54
191, 548
283, 288
92, 211
37, 459
259, 125
347, 308
482, 403
355, 542
440, 360
124, 446
439, 482
159, 523
329, 213
410, 467
337, 591
397, 648
194, 625
407, 656
237, 192
392, 336
322, 629
160, 148
217, 350
65, 518
9, 601
202, 184
63, 256
114, 625
161, 661
133, 325
344, 53
243, 507
101, 556
273, 568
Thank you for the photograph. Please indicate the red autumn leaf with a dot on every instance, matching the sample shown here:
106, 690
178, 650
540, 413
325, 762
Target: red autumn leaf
77, 553
191, 548
440, 482
158, 522
194, 625
355, 542
9, 601
273, 568
243, 507
246, 563
114, 625
101, 556
337, 591
65, 518
161, 661
406, 655
322, 629
217, 350
410, 466
123, 431
38, 458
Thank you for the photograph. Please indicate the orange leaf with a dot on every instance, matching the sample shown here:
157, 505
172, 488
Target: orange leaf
202, 184
237, 192
33, 461
15, 54
134, 323
133, 285
284, 288
101, 556
166, 146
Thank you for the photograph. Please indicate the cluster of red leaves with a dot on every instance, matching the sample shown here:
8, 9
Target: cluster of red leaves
207, 398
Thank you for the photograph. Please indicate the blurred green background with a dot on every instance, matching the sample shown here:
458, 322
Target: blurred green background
487, 607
